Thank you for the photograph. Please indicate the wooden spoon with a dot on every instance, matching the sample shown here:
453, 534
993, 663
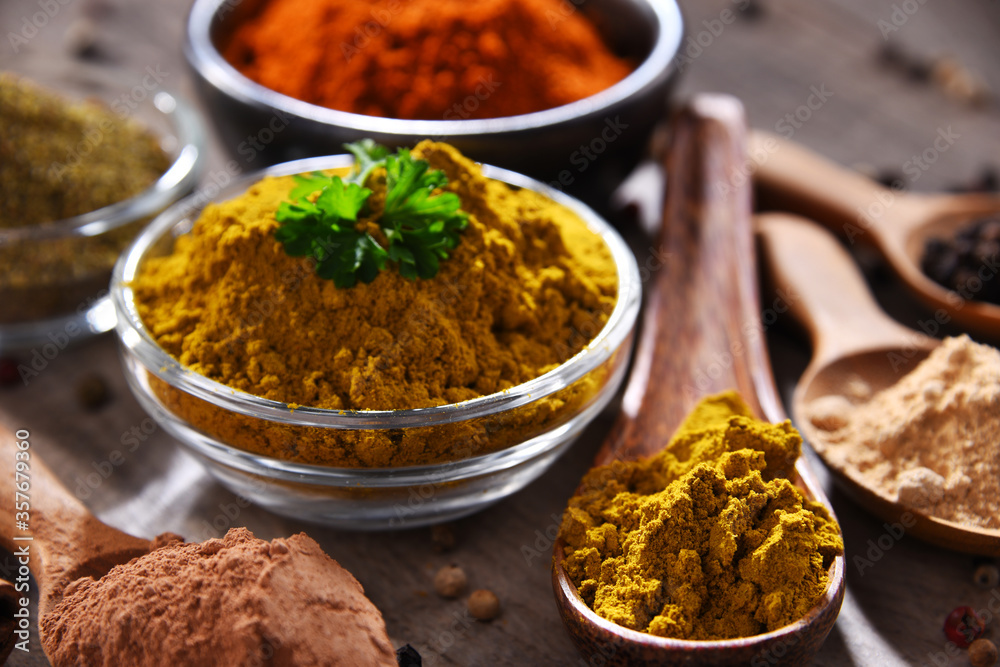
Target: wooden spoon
791, 178
851, 337
63, 540
310, 606
701, 335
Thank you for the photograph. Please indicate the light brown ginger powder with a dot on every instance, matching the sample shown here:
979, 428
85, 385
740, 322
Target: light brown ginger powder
930, 441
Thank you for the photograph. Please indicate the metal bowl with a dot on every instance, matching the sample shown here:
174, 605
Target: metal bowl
585, 148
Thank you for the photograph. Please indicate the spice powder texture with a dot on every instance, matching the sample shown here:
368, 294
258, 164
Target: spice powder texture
58, 159
703, 541
239, 600
929, 441
527, 288
426, 59
61, 158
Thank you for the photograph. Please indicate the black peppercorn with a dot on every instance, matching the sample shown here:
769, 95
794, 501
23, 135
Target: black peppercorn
92, 392
407, 656
967, 262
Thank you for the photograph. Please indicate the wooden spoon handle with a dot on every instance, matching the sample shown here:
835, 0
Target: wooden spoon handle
701, 331
823, 289
789, 177
66, 540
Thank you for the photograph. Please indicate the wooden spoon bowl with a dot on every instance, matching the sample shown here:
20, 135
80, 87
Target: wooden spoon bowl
701, 335
852, 338
789, 177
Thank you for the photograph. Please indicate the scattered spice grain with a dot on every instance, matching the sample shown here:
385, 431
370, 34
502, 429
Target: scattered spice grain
9, 375
484, 605
92, 392
982, 653
443, 537
963, 626
450, 581
986, 576
407, 656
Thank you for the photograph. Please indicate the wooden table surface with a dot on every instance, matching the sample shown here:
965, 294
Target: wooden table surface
774, 55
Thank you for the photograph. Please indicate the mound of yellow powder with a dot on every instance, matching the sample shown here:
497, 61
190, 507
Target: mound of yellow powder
703, 541
528, 286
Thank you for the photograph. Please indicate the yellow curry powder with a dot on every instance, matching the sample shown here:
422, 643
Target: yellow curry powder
702, 541
528, 286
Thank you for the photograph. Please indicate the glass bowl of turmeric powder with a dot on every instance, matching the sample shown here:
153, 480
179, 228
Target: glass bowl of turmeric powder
438, 395
88, 157
568, 93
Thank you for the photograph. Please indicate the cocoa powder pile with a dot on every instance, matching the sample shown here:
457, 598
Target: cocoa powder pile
235, 601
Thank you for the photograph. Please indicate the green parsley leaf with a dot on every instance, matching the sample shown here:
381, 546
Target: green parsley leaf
427, 226
367, 155
421, 226
306, 184
325, 229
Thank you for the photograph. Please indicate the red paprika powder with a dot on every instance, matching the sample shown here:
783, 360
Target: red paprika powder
426, 59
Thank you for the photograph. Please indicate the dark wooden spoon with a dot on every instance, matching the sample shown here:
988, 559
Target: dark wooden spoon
702, 334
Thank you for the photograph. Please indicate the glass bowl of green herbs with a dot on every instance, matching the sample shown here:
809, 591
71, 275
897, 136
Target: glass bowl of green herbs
87, 158
520, 432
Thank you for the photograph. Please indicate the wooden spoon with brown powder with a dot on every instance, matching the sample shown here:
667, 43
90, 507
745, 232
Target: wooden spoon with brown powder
853, 340
220, 602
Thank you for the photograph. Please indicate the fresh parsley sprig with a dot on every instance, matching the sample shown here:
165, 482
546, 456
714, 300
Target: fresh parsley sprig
420, 223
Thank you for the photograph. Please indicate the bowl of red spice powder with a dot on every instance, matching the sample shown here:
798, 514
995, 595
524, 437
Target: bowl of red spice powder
568, 93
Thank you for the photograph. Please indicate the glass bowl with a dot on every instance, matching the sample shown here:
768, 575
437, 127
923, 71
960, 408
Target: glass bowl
498, 443
54, 276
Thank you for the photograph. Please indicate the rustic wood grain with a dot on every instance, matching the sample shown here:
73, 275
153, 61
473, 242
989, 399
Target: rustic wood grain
897, 598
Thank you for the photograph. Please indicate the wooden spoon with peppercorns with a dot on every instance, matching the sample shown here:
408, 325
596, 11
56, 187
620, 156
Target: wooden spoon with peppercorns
701, 335
853, 340
788, 177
